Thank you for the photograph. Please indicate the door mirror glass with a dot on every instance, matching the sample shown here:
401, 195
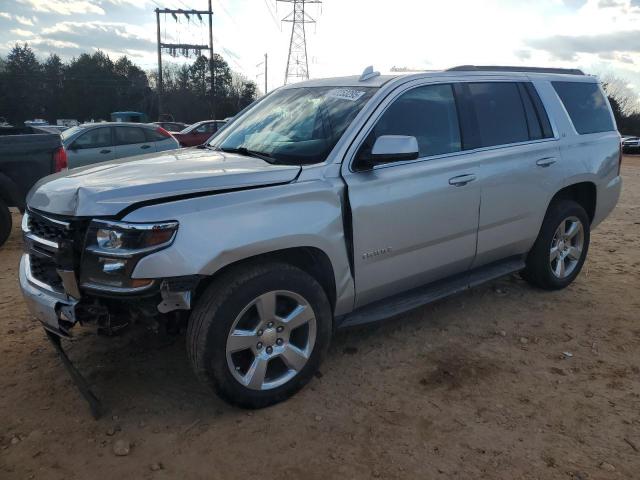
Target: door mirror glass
394, 148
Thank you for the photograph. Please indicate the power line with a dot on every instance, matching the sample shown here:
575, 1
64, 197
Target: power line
273, 16
184, 48
297, 62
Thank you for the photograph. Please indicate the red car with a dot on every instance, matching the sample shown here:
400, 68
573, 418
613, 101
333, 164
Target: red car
198, 133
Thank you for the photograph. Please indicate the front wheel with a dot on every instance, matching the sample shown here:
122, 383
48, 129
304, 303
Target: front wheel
258, 334
561, 248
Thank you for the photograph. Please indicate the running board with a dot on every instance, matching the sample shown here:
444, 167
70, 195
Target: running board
407, 301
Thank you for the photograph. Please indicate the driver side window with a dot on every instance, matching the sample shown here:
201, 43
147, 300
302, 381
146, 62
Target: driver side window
427, 113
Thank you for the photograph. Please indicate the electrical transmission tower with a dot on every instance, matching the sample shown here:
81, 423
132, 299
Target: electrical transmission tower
297, 63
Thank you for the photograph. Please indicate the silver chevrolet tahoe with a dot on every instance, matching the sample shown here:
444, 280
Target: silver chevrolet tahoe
326, 204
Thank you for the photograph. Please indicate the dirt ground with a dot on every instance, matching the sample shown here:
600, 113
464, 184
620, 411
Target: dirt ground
502, 382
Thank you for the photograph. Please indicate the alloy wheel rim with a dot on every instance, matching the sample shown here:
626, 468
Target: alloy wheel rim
566, 247
271, 340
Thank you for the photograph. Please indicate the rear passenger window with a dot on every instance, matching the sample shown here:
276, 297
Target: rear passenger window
499, 112
129, 135
154, 136
427, 113
586, 105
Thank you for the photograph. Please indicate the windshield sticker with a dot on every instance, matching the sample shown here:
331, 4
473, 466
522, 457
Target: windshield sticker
346, 94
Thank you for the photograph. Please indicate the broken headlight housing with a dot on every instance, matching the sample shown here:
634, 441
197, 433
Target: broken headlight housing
113, 249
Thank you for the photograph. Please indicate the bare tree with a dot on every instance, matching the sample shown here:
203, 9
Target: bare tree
624, 95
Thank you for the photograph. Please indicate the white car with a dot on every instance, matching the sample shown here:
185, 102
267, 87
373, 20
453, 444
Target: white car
99, 142
631, 145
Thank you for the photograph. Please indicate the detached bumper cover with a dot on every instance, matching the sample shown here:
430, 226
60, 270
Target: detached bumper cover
54, 310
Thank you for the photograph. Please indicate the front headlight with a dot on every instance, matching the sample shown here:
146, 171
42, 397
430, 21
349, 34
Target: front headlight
113, 249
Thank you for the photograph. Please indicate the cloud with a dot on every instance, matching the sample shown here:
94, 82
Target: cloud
64, 7
22, 33
24, 21
130, 3
610, 3
112, 36
523, 54
574, 3
566, 47
5, 15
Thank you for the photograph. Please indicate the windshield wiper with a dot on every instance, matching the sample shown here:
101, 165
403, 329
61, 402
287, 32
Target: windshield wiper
249, 153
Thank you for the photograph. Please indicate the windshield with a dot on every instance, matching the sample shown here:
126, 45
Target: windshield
295, 126
70, 132
188, 128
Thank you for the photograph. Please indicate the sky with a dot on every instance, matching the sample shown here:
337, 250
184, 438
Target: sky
600, 36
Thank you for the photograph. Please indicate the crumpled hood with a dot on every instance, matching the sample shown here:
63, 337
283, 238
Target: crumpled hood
107, 188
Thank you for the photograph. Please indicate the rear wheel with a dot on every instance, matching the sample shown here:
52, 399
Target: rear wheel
561, 247
258, 334
5, 222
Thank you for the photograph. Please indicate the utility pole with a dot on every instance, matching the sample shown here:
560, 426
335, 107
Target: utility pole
183, 48
211, 69
265, 63
297, 63
160, 85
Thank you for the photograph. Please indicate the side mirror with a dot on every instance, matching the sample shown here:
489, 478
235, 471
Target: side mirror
394, 148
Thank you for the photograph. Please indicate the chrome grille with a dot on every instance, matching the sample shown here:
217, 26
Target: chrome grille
46, 240
46, 228
43, 269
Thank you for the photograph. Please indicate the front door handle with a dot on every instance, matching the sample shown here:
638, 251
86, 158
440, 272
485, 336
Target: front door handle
546, 162
462, 180
105, 151
145, 146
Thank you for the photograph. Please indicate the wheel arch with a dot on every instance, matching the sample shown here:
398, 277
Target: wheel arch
311, 260
584, 193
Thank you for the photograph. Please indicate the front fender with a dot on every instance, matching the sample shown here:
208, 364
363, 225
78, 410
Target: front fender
221, 229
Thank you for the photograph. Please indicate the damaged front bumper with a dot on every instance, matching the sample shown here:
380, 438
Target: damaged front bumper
59, 312
56, 311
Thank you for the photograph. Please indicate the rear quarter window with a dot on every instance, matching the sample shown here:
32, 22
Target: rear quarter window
587, 106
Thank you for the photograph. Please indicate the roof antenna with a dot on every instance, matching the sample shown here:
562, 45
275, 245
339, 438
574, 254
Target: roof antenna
368, 73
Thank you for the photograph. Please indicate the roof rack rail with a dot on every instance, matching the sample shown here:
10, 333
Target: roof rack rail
497, 68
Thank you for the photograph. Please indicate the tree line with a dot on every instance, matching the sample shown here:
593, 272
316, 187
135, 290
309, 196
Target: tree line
91, 86
624, 103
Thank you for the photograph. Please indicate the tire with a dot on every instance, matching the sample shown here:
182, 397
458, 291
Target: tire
5, 222
543, 265
232, 301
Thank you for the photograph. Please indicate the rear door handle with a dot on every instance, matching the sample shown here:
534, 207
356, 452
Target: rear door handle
105, 151
462, 180
145, 146
546, 162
